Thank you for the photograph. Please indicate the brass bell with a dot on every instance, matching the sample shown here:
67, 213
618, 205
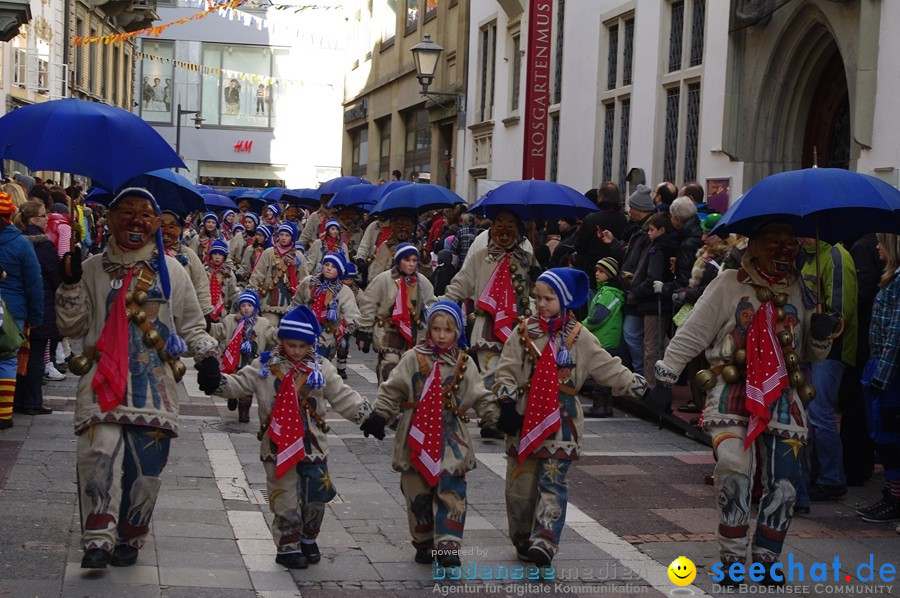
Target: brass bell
730, 374
522, 340
128, 314
80, 365
781, 299
178, 370
471, 318
152, 338
807, 393
456, 387
462, 368
381, 323
791, 361
139, 317
520, 289
128, 297
796, 379
513, 268
163, 356
705, 379
786, 338
140, 297
465, 357
528, 313
779, 314
740, 356
763, 294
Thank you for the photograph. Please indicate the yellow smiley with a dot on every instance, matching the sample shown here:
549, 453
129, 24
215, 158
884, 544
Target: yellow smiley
682, 571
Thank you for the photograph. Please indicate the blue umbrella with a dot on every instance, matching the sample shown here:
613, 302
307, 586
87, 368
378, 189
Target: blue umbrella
238, 191
171, 190
419, 198
388, 187
336, 184
361, 197
271, 195
829, 203
217, 200
305, 198
108, 144
534, 200
205, 189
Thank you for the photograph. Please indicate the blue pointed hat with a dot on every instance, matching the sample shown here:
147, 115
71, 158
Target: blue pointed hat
252, 216
300, 324
211, 216
455, 313
339, 262
290, 228
569, 284
276, 209
219, 246
403, 250
249, 296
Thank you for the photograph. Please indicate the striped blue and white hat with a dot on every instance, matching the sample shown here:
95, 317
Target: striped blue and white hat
299, 324
452, 310
276, 209
250, 297
339, 262
404, 250
569, 284
332, 222
289, 228
211, 216
252, 216
219, 246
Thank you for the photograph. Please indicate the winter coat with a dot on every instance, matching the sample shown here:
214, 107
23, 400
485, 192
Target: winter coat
22, 289
838, 282
403, 390
654, 265
198, 276
589, 247
60, 232
376, 304
605, 316
690, 241
276, 294
348, 311
50, 274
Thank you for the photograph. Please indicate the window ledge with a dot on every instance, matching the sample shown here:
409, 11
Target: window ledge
482, 127
388, 43
511, 120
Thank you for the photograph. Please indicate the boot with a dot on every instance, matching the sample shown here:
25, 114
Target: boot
602, 405
243, 411
232, 404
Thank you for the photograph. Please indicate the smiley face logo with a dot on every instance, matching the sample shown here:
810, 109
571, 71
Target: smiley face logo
682, 571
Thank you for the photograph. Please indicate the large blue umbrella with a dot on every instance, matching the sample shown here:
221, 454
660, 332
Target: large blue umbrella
305, 198
362, 197
336, 184
419, 198
829, 203
108, 144
234, 193
218, 201
271, 195
171, 190
388, 187
534, 200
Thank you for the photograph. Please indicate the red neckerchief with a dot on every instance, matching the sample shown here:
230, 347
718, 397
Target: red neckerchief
542, 408
248, 237
286, 427
768, 277
426, 429
323, 295
332, 244
766, 371
400, 316
215, 290
499, 299
383, 235
291, 269
232, 356
111, 378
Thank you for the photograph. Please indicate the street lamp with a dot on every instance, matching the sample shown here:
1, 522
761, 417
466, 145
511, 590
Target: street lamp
198, 120
426, 55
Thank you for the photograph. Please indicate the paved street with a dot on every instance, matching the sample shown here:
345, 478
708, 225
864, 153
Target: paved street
637, 501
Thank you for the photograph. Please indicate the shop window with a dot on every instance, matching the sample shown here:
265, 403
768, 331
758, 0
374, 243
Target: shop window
157, 74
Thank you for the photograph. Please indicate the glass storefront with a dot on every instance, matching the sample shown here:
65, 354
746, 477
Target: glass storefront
157, 73
223, 175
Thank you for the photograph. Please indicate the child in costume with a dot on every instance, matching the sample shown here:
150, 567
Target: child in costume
332, 302
330, 242
209, 232
278, 273
243, 337
544, 362
222, 281
432, 447
604, 320
292, 384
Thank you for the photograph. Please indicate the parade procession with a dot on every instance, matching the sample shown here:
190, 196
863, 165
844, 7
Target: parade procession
468, 356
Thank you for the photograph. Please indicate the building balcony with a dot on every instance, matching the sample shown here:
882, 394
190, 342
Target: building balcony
130, 15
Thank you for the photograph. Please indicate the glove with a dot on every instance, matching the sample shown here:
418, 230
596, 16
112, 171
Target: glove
209, 375
70, 266
374, 425
510, 422
657, 286
659, 399
363, 341
822, 325
362, 267
208, 319
488, 431
534, 272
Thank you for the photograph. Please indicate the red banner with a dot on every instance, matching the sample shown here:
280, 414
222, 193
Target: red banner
537, 89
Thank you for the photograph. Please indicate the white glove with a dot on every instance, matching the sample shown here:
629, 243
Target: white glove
657, 286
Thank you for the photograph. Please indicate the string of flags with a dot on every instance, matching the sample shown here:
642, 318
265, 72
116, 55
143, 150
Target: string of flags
275, 28
156, 30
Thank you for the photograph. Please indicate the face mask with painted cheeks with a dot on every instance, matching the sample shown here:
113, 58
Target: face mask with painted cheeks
505, 230
403, 228
171, 231
133, 222
775, 250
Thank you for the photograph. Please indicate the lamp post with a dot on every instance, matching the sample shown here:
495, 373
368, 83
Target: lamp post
198, 120
426, 55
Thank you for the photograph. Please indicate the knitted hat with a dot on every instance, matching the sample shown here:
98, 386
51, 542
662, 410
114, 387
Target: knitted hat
252, 216
299, 324
250, 297
226, 214
570, 285
219, 246
175, 345
211, 216
178, 218
339, 262
332, 222
266, 231
710, 222
641, 199
6, 204
455, 313
59, 208
609, 265
25, 180
289, 228
276, 209
403, 250
237, 228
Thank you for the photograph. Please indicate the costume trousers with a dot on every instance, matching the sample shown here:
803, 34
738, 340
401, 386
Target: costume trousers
735, 467
536, 498
385, 365
7, 387
298, 500
436, 515
487, 365
118, 475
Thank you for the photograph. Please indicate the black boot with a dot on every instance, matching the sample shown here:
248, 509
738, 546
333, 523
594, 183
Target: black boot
95, 558
292, 560
124, 556
232, 404
311, 552
602, 405
243, 411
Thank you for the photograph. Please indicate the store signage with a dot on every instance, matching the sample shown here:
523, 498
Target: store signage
537, 89
244, 145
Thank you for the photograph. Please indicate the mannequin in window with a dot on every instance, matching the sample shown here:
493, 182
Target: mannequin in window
261, 100
233, 98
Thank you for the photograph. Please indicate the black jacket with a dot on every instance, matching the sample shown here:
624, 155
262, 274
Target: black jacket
654, 265
589, 248
690, 240
49, 261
